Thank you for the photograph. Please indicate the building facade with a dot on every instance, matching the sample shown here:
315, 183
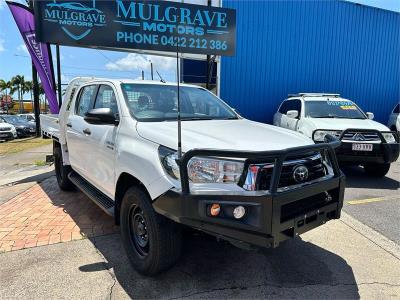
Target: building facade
286, 47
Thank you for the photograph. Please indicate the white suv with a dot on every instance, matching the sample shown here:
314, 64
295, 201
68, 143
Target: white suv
7, 131
364, 141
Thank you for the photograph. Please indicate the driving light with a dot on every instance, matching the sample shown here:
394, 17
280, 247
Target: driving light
215, 209
208, 170
319, 135
239, 212
389, 137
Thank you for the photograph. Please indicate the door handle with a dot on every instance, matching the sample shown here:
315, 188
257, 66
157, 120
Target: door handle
87, 131
69, 124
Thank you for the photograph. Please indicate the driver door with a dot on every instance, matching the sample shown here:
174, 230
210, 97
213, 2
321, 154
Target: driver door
292, 123
101, 139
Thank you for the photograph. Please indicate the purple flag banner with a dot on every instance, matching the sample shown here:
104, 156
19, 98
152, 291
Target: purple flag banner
39, 52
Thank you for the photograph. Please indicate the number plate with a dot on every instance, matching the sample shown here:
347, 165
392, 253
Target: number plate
362, 147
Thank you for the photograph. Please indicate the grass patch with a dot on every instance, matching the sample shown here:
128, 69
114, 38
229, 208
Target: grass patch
40, 163
19, 145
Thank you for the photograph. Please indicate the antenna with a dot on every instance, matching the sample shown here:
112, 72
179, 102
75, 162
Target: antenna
178, 96
161, 79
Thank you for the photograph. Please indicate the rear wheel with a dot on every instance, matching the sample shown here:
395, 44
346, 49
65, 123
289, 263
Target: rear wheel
62, 171
376, 170
151, 241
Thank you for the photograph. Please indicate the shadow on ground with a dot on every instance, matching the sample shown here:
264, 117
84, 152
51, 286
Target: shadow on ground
356, 178
211, 269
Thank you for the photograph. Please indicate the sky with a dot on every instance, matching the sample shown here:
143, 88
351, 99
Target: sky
14, 58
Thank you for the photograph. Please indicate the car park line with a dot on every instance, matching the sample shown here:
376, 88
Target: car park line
370, 200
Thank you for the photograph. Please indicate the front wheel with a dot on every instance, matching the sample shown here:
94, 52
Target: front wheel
151, 241
376, 170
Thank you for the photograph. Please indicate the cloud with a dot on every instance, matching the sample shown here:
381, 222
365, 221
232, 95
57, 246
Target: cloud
140, 62
2, 44
22, 48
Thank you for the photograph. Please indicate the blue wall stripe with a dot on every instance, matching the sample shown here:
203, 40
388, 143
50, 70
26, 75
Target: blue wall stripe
312, 46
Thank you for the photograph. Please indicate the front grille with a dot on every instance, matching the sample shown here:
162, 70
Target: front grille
5, 129
361, 136
261, 174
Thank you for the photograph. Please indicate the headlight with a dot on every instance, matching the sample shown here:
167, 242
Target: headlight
389, 137
319, 135
202, 170
210, 170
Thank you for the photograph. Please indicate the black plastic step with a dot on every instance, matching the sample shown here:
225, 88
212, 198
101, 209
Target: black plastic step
93, 193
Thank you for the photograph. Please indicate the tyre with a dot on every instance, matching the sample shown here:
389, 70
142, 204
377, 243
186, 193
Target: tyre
151, 241
62, 171
376, 170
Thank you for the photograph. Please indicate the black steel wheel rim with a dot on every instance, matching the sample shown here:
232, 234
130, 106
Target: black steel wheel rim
138, 231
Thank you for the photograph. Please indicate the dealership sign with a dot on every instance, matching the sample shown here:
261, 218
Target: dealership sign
147, 25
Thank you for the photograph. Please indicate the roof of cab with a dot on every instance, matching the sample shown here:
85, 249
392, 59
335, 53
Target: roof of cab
132, 81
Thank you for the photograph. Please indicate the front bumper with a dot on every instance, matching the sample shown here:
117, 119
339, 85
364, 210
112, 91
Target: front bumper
271, 216
382, 152
8, 135
25, 131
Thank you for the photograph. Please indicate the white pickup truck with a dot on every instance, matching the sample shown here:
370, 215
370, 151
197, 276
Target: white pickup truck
364, 141
251, 184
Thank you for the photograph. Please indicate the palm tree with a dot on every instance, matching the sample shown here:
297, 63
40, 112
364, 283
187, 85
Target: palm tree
6, 87
18, 83
28, 88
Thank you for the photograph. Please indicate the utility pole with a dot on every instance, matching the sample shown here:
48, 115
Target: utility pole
142, 75
151, 68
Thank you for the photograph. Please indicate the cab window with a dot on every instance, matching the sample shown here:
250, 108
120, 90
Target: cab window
106, 99
284, 107
85, 101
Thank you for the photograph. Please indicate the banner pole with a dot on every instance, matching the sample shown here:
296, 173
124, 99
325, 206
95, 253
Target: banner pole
58, 75
35, 83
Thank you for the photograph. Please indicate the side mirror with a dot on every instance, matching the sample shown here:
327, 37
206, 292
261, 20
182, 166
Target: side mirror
370, 115
293, 114
101, 116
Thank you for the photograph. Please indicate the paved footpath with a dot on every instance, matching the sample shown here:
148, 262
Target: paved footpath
343, 259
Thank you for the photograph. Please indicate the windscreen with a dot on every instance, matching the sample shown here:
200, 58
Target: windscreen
156, 103
333, 109
12, 119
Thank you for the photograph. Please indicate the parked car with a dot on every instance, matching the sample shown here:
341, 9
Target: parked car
23, 127
394, 119
7, 131
364, 141
116, 140
28, 117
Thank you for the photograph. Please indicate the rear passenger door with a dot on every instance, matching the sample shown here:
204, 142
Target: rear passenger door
80, 155
102, 140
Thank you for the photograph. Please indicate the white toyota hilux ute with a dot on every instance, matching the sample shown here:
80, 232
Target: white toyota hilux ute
248, 183
363, 141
